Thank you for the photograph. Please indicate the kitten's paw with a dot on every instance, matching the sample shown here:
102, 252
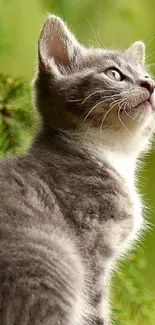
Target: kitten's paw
99, 321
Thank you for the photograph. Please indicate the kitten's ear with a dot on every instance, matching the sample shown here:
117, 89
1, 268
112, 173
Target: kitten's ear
57, 47
137, 49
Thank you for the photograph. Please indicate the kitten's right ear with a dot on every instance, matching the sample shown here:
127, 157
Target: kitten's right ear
58, 49
137, 49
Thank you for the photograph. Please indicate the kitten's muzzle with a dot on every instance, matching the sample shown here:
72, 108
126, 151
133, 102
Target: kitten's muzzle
149, 85
152, 99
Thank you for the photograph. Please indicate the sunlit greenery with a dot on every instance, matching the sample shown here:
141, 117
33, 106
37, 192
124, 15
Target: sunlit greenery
100, 23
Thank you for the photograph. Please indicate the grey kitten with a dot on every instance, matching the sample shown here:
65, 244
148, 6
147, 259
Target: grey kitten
69, 207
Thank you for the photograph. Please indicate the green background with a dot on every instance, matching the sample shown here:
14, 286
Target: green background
116, 24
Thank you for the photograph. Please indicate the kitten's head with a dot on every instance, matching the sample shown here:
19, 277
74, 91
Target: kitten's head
106, 94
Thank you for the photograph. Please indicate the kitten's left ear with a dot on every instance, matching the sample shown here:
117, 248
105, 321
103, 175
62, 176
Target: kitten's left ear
137, 49
58, 49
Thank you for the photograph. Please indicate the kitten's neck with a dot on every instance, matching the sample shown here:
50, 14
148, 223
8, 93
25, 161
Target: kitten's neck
120, 151
121, 162
121, 158
124, 163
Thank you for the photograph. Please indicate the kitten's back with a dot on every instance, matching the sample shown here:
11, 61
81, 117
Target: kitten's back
41, 279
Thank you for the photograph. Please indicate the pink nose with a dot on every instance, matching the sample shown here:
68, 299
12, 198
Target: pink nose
149, 85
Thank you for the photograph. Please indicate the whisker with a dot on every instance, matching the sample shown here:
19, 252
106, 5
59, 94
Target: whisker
98, 91
150, 41
111, 107
98, 32
117, 102
109, 85
74, 100
95, 107
125, 107
98, 44
90, 124
95, 92
121, 102
129, 115
90, 40
150, 55
123, 123
150, 65
105, 118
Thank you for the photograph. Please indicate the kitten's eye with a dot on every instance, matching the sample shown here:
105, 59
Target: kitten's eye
113, 74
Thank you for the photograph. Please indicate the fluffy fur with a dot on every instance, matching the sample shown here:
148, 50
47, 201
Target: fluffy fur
69, 207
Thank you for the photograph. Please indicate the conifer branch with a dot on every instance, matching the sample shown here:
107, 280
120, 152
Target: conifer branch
16, 114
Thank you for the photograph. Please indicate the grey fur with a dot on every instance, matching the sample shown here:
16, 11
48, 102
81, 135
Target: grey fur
66, 213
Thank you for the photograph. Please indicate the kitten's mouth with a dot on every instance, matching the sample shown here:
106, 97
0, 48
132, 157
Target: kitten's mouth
149, 103
146, 103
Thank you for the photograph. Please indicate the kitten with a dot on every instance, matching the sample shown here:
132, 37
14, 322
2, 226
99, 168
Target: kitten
69, 207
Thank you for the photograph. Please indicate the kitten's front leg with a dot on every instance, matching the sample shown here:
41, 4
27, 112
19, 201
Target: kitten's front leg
99, 321
103, 312
101, 308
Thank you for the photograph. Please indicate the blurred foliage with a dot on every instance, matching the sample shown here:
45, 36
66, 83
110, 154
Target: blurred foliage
116, 24
132, 303
16, 115
4, 47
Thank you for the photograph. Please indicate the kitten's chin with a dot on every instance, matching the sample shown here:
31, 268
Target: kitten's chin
141, 112
146, 105
143, 109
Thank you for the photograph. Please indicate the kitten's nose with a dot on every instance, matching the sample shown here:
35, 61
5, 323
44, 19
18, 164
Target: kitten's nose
149, 85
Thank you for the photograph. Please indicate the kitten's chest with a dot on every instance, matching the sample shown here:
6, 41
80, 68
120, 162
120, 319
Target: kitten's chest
138, 221
99, 202
116, 219
121, 168
105, 211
